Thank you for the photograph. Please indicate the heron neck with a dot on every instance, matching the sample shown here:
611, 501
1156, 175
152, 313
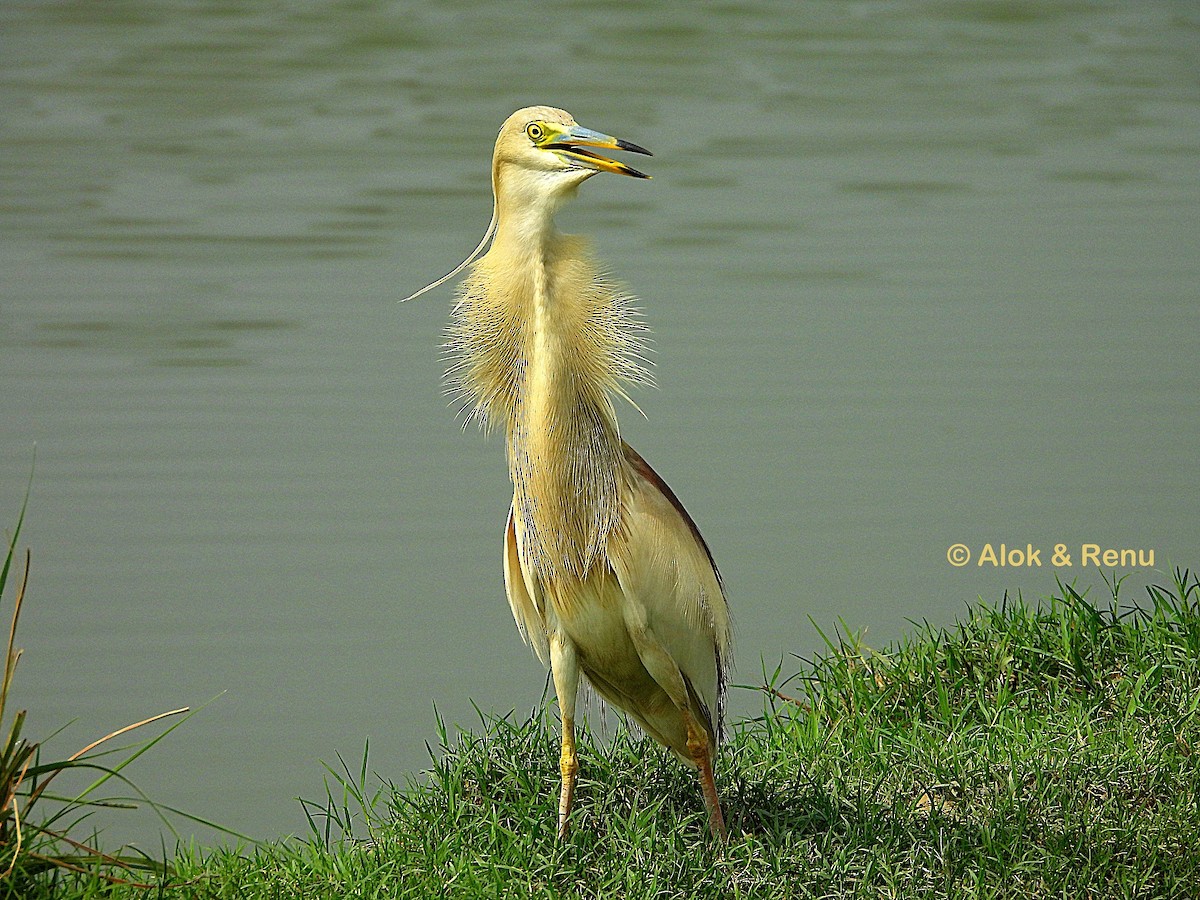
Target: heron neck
564, 447
541, 341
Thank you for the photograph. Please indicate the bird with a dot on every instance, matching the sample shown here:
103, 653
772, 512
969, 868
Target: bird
606, 574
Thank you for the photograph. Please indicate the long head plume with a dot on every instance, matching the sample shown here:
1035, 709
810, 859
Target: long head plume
474, 255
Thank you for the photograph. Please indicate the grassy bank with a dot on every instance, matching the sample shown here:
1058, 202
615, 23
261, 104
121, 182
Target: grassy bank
1044, 750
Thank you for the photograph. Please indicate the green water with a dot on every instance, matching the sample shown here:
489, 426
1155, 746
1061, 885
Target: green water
919, 273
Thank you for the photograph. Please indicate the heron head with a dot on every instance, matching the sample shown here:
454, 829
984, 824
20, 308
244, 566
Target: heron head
541, 156
554, 152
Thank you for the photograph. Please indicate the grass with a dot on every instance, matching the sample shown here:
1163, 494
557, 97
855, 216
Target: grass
39, 825
1029, 751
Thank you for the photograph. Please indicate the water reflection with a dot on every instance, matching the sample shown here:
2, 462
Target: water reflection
168, 344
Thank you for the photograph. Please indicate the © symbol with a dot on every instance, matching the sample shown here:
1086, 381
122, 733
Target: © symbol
958, 555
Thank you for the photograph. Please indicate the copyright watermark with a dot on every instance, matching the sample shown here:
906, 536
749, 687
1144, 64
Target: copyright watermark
1062, 556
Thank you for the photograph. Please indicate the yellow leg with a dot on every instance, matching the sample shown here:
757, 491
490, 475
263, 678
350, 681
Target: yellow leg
565, 668
569, 765
701, 751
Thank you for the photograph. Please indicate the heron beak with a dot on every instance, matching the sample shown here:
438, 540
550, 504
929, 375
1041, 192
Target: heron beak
570, 142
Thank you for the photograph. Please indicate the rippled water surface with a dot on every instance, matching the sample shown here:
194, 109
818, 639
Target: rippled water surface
919, 273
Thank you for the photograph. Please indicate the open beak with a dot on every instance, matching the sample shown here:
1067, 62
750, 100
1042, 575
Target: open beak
571, 142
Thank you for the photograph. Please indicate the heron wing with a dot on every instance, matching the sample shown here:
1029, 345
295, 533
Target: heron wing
671, 584
523, 596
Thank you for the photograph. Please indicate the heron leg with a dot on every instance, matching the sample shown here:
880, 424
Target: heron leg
569, 766
664, 670
565, 668
701, 751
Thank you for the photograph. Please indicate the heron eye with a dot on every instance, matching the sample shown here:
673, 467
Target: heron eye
535, 131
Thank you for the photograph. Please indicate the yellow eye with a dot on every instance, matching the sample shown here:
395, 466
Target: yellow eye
535, 131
